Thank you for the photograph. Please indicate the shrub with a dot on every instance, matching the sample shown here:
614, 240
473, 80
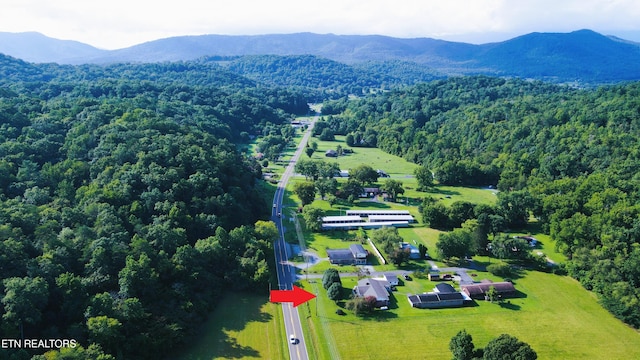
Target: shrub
500, 269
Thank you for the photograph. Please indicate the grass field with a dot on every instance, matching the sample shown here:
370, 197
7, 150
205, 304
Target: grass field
243, 326
374, 157
555, 315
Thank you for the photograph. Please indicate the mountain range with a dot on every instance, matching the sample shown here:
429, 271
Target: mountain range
582, 56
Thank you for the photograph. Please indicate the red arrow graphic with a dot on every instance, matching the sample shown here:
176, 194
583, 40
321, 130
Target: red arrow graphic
297, 296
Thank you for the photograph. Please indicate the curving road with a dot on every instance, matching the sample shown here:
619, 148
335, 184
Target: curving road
286, 272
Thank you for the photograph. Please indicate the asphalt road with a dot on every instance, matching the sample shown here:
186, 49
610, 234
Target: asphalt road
286, 273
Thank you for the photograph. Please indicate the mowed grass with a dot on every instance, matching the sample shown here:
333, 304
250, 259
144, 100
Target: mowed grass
374, 157
243, 326
555, 315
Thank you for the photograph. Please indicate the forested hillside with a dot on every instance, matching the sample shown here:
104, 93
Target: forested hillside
126, 209
569, 157
327, 77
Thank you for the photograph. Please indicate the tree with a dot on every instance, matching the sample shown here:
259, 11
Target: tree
422, 249
106, 331
361, 306
24, 299
456, 243
332, 199
351, 189
508, 247
435, 215
461, 346
393, 188
364, 174
309, 151
326, 186
424, 176
492, 294
328, 170
459, 212
329, 277
334, 292
138, 278
327, 135
306, 191
308, 168
312, 217
399, 256
507, 347
514, 207
387, 238
350, 140
266, 230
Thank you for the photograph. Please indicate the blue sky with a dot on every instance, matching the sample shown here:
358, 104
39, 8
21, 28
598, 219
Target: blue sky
120, 23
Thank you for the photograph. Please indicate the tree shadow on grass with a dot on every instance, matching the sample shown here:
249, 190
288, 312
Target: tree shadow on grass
230, 349
215, 338
380, 316
507, 304
370, 204
439, 191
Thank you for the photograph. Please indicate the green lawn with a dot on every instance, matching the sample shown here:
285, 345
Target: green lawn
374, 157
555, 315
243, 326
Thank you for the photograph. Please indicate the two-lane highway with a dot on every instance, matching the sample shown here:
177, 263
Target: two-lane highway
286, 273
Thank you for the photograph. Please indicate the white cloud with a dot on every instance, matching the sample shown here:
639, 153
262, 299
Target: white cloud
119, 23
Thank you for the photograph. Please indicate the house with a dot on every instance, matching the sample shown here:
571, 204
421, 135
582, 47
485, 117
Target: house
370, 192
479, 290
414, 253
354, 255
378, 288
529, 239
391, 278
331, 153
444, 288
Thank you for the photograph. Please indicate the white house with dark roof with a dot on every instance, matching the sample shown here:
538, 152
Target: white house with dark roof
354, 255
391, 278
378, 288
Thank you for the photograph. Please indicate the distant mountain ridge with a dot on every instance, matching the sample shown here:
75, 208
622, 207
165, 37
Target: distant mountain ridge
582, 56
38, 48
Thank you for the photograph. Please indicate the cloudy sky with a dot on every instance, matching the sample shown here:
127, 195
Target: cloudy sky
112, 24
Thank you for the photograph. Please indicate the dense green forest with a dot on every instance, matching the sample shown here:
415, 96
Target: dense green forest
126, 207
322, 78
569, 157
